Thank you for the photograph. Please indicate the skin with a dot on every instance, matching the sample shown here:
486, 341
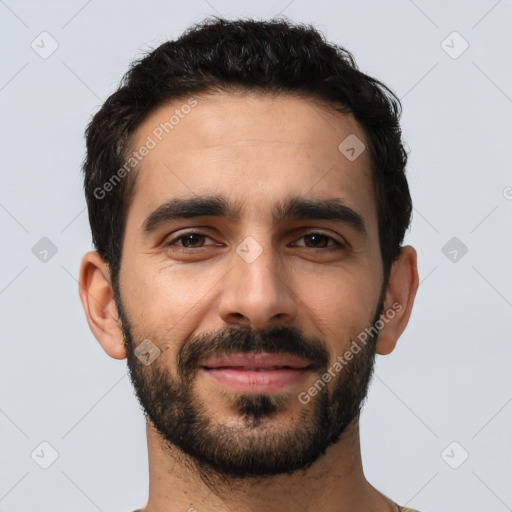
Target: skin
257, 149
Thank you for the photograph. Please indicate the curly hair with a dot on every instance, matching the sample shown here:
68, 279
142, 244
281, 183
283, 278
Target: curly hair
274, 56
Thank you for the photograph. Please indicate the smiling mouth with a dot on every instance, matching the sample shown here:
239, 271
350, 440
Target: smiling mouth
257, 373
262, 360
255, 368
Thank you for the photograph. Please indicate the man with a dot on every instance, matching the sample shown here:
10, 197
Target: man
247, 200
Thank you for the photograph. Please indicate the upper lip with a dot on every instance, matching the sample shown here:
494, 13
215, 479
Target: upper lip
260, 360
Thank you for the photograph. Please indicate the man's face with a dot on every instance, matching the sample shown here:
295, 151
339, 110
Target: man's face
249, 311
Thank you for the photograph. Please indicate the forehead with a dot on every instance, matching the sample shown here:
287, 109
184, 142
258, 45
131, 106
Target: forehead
252, 148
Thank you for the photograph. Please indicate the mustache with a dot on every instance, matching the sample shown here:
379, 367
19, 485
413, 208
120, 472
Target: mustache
279, 340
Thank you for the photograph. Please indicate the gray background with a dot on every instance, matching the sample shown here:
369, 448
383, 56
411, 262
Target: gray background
449, 378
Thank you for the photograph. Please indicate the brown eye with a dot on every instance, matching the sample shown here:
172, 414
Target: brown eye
318, 240
192, 240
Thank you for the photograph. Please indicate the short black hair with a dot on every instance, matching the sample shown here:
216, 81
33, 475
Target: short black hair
219, 55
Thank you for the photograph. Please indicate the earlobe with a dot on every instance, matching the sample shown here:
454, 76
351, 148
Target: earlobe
97, 298
402, 288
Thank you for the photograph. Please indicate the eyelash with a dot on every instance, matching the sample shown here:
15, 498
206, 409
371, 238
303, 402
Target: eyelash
338, 245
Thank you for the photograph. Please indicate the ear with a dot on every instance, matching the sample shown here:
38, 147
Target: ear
402, 287
97, 296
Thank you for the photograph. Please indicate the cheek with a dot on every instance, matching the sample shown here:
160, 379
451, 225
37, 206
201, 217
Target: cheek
167, 300
341, 303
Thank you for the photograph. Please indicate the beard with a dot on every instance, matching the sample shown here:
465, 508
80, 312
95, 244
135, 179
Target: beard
255, 444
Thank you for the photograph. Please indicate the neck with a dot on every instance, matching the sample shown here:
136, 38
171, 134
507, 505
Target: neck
334, 482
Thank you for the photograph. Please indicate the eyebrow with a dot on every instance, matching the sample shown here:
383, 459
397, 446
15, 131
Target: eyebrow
288, 209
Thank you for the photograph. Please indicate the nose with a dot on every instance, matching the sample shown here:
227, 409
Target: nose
257, 292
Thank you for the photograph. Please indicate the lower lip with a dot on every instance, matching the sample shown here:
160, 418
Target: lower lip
265, 381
